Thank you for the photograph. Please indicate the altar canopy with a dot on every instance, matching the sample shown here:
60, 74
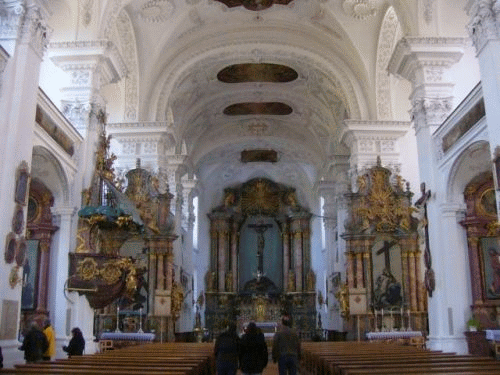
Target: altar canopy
260, 263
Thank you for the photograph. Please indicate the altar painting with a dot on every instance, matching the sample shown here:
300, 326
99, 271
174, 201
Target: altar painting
490, 247
387, 273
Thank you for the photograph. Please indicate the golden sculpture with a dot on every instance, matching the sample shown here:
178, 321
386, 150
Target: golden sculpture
342, 296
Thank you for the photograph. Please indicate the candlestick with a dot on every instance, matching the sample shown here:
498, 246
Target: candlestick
140, 321
117, 319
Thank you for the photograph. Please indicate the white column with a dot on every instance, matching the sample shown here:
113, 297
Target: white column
61, 245
449, 310
24, 34
484, 29
423, 61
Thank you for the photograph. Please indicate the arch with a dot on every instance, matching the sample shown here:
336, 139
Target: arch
471, 162
48, 170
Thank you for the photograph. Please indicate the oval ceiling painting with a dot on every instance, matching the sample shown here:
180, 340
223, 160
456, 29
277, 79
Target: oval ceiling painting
267, 108
252, 72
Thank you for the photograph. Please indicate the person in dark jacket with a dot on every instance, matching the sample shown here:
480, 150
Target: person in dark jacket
76, 345
286, 348
226, 350
34, 344
253, 351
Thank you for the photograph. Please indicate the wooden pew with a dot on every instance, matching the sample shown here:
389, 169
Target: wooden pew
388, 359
147, 359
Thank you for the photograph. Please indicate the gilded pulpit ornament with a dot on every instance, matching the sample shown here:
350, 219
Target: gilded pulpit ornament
254, 5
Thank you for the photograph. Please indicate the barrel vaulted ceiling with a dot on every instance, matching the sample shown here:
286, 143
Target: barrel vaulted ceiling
252, 75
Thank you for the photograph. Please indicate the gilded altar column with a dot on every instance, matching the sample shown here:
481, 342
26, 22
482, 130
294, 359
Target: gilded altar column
413, 284
153, 272
368, 280
350, 269
160, 274
406, 277
43, 277
421, 292
169, 274
222, 259
297, 245
234, 257
286, 256
359, 270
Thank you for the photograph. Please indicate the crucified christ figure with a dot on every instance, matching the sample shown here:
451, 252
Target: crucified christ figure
260, 229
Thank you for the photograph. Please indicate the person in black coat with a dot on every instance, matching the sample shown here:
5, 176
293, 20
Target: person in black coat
226, 350
253, 350
76, 345
34, 344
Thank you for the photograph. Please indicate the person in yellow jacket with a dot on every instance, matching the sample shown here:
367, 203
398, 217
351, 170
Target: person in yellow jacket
51, 338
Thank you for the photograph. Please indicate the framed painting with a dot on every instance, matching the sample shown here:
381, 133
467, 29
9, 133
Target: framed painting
30, 276
22, 180
490, 248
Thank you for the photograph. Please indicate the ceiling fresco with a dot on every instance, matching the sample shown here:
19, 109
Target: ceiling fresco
266, 108
260, 72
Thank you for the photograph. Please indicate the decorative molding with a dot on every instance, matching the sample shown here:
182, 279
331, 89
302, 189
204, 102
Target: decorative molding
360, 9
157, 10
485, 22
25, 23
430, 111
428, 11
11, 17
387, 40
128, 49
425, 58
91, 63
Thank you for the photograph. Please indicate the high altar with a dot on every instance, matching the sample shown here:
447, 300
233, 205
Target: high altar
386, 286
260, 263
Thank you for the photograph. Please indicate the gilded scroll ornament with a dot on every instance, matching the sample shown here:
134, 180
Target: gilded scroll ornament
381, 205
111, 272
177, 299
87, 269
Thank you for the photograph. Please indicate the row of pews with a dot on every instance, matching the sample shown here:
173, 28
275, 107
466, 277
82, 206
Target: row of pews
358, 358
147, 359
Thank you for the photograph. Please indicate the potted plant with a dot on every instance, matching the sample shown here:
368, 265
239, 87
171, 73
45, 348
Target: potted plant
473, 324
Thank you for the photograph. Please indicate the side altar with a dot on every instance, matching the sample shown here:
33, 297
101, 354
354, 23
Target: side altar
389, 264
260, 259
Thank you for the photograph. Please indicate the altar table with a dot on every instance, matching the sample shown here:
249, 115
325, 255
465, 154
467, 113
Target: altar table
127, 336
392, 335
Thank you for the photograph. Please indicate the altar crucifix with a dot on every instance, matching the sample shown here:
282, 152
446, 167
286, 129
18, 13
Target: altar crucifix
423, 233
260, 229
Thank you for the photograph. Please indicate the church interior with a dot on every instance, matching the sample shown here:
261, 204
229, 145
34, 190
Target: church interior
170, 166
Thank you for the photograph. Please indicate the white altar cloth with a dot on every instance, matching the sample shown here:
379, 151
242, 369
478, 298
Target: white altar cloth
127, 336
493, 334
392, 335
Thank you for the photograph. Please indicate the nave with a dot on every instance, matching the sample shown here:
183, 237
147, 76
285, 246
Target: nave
318, 358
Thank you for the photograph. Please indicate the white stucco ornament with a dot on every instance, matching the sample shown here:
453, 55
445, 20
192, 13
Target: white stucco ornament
360, 9
157, 10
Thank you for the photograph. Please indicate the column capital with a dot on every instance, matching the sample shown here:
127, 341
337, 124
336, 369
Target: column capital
484, 22
26, 23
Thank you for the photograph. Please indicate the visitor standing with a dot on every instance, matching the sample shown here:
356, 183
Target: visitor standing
286, 348
253, 351
34, 344
76, 345
226, 350
49, 333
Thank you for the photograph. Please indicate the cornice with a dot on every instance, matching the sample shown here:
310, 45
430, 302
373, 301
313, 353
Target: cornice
89, 55
415, 53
